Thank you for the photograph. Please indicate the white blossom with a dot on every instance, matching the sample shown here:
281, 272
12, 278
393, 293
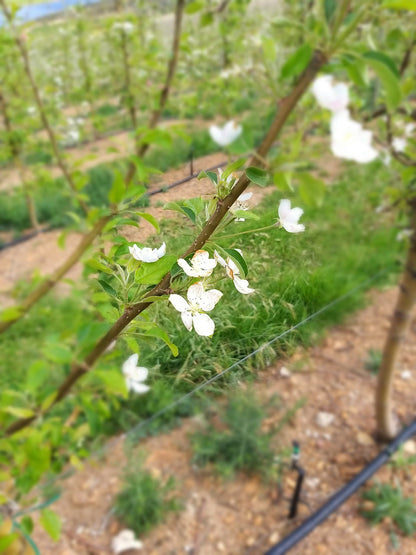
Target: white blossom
289, 217
124, 541
125, 26
193, 310
135, 375
241, 204
147, 254
201, 264
329, 96
349, 140
225, 135
233, 273
399, 144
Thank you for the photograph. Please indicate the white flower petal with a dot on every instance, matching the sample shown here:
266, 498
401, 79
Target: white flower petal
242, 286
147, 254
189, 271
209, 299
130, 364
179, 303
137, 387
226, 134
187, 319
245, 196
195, 293
138, 374
124, 541
284, 209
294, 228
219, 259
203, 325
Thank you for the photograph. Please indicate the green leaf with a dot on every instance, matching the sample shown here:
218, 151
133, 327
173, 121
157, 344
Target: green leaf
206, 19
257, 176
194, 7
246, 214
384, 59
387, 76
330, 7
19, 412
149, 218
311, 189
212, 176
107, 288
37, 375
238, 259
114, 382
161, 334
282, 180
153, 272
12, 313
51, 523
118, 188
297, 62
6, 541
26, 524
400, 4
48, 401
95, 265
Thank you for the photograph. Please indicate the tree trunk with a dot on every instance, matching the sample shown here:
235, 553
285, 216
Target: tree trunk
387, 425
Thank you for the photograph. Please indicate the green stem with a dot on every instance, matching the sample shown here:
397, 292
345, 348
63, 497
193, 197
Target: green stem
248, 231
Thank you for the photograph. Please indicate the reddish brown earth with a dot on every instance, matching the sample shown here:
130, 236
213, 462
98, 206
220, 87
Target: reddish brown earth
244, 515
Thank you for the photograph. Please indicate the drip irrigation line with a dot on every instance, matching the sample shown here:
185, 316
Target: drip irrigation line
342, 494
133, 431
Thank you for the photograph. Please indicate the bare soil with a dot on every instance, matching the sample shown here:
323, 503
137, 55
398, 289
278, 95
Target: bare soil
244, 515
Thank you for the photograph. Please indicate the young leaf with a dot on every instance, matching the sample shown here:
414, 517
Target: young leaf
311, 189
257, 176
153, 272
149, 218
212, 176
51, 523
118, 188
297, 62
387, 76
161, 334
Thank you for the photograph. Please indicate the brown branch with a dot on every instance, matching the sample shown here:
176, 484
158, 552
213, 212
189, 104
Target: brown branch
285, 108
41, 108
52, 280
164, 94
399, 325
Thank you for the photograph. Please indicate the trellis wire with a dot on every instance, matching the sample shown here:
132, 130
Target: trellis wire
201, 386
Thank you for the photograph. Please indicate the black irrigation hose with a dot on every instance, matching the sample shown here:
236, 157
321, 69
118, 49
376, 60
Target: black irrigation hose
342, 494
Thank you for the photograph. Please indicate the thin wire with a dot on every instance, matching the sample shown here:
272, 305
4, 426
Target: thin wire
144, 423
133, 431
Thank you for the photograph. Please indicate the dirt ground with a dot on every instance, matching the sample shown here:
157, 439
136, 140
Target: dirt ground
244, 515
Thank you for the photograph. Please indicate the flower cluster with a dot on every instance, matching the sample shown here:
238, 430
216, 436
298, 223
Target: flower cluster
199, 299
348, 138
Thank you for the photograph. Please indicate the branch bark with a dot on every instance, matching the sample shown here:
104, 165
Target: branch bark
164, 94
52, 280
285, 108
386, 420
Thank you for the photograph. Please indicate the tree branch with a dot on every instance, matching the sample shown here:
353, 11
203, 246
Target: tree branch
285, 108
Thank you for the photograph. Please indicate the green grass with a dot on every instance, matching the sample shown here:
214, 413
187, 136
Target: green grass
344, 244
144, 501
373, 360
236, 442
389, 502
53, 201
